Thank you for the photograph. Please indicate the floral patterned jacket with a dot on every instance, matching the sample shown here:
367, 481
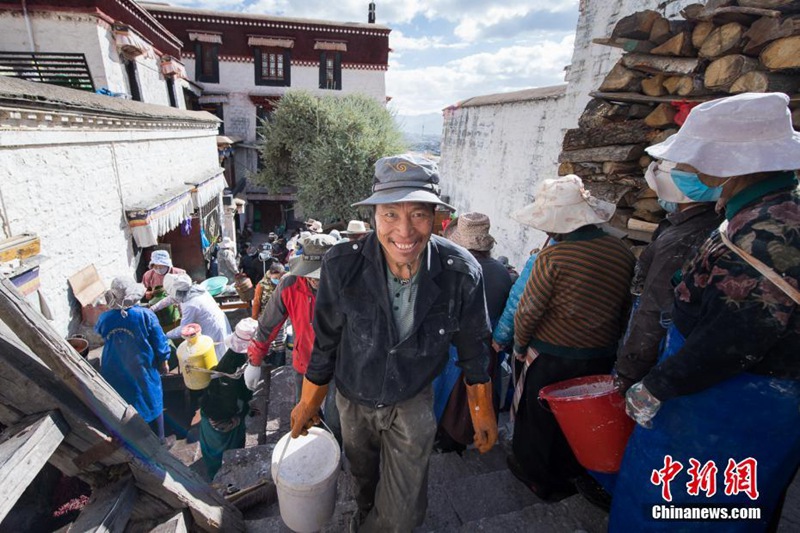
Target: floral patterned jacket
733, 319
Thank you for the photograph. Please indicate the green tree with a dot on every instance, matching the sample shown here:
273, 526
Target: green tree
327, 148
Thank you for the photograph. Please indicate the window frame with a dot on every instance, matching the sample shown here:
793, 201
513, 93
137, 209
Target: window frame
201, 51
132, 73
337, 70
259, 53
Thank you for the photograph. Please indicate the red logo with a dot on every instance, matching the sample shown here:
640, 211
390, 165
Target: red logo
741, 477
664, 476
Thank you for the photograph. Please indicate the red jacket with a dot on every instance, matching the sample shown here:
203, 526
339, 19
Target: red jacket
292, 299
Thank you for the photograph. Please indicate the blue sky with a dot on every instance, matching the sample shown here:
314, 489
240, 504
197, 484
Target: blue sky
445, 51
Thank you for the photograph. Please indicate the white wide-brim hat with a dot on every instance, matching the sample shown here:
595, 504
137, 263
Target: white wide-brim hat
239, 340
659, 179
735, 136
562, 205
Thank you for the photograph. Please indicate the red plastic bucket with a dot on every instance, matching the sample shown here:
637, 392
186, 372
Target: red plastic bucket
592, 416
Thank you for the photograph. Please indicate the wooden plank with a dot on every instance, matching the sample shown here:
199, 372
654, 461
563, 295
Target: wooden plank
628, 45
627, 132
738, 14
637, 25
721, 73
653, 64
181, 485
19, 247
635, 98
109, 508
782, 54
727, 39
24, 450
628, 152
176, 524
758, 81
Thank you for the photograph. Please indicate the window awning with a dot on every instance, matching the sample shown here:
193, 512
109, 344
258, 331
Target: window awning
172, 67
213, 99
203, 191
204, 37
275, 42
151, 219
129, 43
336, 46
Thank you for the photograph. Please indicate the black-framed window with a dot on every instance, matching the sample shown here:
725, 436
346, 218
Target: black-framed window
273, 66
217, 110
173, 102
133, 80
206, 62
330, 70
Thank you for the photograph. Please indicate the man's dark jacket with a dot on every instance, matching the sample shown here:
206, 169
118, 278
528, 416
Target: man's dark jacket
356, 337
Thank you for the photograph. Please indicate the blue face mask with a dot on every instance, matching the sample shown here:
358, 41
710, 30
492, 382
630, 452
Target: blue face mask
689, 184
274, 281
669, 207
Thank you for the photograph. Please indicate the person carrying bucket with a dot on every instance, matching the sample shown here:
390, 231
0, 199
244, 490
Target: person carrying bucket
294, 299
388, 308
225, 402
722, 402
567, 324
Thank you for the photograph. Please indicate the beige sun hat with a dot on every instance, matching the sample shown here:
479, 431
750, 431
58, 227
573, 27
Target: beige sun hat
356, 227
562, 205
471, 230
735, 136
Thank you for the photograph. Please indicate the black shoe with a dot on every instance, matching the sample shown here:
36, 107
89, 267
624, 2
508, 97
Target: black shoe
593, 492
550, 494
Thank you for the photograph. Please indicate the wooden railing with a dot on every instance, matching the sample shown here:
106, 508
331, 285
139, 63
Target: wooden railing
66, 70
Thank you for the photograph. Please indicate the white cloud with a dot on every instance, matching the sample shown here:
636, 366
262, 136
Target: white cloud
400, 43
430, 89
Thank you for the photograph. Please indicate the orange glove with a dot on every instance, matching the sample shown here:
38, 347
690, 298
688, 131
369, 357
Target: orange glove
306, 413
479, 397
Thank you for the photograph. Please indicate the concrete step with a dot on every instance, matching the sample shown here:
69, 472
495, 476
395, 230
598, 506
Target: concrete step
573, 514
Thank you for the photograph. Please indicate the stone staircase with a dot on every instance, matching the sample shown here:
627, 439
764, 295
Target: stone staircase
468, 492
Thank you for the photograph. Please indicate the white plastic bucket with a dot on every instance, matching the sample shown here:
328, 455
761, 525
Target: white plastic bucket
305, 476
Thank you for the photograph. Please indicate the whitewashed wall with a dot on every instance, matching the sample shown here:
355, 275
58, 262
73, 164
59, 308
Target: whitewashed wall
69, 187
58, 32
237, 81
494, 156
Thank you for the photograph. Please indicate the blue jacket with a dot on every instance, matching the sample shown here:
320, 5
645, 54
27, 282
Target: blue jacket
135, 349
504, 331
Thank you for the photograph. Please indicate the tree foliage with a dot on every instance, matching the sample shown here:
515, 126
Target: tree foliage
327, 148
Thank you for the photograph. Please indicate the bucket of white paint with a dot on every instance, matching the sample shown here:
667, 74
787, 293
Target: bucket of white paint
305, 471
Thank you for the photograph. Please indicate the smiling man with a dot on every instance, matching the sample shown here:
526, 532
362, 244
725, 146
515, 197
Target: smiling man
388, 308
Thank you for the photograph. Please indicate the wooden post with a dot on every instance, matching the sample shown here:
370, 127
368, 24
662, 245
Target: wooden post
108, 509
165, 476
24, 450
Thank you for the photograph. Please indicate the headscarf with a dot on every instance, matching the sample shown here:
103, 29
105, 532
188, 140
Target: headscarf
124, 294
178, 286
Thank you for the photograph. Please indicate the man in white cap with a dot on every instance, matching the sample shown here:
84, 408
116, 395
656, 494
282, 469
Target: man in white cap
567, 324
388, 308
726, 390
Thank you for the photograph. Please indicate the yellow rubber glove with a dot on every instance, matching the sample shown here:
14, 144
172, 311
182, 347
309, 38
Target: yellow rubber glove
479, 397
306, 413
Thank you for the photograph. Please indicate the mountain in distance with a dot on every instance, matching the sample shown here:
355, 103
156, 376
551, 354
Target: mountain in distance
423, 133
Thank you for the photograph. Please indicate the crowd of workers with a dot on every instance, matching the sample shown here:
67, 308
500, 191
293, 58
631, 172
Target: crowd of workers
403, 338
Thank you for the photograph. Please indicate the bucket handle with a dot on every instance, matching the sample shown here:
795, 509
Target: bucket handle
544, 405
285, 446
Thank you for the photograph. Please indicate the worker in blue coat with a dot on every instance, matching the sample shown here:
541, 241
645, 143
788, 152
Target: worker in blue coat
135, 351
